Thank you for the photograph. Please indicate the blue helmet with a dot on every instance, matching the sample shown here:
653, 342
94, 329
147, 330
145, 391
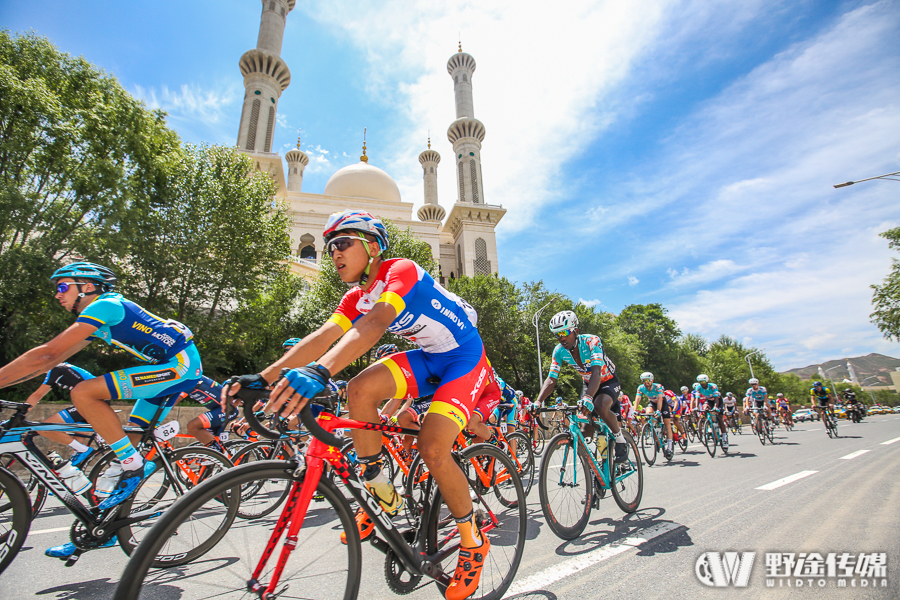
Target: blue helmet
340, 384
386, 350
291, 342
817, 384
356, 220
102, 276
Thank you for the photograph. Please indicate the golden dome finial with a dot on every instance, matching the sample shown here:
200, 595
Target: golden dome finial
460, 45
364, 158
429, 139
298, 139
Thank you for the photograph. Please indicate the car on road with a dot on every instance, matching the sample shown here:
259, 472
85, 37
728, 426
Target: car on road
805, 414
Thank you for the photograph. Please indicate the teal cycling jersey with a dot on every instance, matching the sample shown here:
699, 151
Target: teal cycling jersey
703, 393
760, 395
126, 325
590, 351
653, 393
509, 394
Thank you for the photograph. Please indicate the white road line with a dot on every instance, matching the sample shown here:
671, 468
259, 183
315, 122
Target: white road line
54, 530
890, 441
817, 429
541, 580
786, 480
853, 455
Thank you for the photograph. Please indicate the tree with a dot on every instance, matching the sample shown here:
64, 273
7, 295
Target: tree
886, 298
658, 336
727, 368
78, 155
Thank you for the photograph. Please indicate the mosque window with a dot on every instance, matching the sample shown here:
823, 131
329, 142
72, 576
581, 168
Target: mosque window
462, 184
308, 252
456, 79
254, 120
271, 5
295, 170
465, 78
270, 127
474, 181
459, 262
431, 169
482, 264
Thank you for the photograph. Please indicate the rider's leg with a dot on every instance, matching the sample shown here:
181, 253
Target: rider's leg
476, 425
57, 436
198, 427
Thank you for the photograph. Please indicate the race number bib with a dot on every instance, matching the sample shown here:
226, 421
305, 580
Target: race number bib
166, 432
503, 428
223, 437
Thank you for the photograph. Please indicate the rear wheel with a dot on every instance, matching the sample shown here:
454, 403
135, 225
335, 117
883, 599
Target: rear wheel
524, 459
260, 498
565, 485
709, 438
15, 517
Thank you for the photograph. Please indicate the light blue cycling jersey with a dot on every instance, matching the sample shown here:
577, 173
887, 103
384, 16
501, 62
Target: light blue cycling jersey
124, 324
759, 395
710, 391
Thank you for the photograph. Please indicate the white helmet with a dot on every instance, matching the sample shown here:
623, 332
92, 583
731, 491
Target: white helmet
703, 378
753, 381
563, 320
685, 388
519, 394
647, 375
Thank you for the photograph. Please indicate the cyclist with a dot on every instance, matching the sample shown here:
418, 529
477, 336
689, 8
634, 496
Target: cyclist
823, 396
708, 398
208, 426
784, 409
87, 290
399, 296
729, 402
626, 409
757, 396
601, 389
505, 413
655, 394
678, 408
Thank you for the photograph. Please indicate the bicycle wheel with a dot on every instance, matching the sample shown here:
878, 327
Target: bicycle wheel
151, 492
682, 441
648, 444
690, 430
259, 498
829, 427
37, 491
761, 432
15, 516
525, 462
770, 433
319, 566
539, 441
565, 485
504, 525
709, 438
628, 477
191, 466
722, 444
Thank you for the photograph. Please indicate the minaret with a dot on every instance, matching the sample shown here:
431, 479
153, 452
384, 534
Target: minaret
265, 77
431, 210
466, 133
297, 161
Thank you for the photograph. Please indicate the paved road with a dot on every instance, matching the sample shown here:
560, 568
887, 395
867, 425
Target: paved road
840, 496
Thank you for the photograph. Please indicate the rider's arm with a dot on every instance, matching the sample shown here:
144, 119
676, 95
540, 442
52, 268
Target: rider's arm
546, 389
39, 393
42, 358
593, 385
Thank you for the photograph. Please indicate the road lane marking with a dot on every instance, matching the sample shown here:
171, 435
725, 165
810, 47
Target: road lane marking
573, 565
853, 455
786, 480
54, 530
890, 441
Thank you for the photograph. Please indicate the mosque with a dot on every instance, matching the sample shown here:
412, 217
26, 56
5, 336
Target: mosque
463, 244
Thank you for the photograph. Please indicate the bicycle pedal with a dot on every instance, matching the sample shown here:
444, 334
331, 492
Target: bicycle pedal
71, 560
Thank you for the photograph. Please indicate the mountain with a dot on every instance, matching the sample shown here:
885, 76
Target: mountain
871, 365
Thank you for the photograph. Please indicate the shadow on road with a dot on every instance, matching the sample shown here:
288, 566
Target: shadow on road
102, 589
621, 529
534, 595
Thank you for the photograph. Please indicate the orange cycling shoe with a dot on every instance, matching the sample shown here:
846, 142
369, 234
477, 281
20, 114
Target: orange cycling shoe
363, 523
468, 571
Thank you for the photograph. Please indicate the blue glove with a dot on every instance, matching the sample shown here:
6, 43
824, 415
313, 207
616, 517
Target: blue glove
249, 382
309, 380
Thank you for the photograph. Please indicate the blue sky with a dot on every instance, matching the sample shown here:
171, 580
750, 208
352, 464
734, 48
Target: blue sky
680, 152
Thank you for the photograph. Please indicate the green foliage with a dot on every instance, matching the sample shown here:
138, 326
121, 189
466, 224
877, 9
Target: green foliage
726, 367
886, 298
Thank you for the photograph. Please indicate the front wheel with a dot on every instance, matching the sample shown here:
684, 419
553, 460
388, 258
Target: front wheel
565, 485
709, 438
627, 480
238, 554
648, 444
15, 517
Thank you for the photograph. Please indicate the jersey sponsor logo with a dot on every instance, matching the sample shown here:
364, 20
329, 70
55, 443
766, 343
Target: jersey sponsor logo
139, 379
435, 304
458, 417
164, 338
141, 327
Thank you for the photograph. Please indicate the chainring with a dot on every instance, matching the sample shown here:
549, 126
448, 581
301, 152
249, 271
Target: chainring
82, 538
400, 580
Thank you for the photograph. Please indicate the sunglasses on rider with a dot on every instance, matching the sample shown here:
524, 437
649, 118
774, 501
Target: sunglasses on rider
341, 243
564, 333
63, 287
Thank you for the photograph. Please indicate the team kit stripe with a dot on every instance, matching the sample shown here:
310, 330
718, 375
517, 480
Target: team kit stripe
397, 374
394, 300
341, 321
84, 318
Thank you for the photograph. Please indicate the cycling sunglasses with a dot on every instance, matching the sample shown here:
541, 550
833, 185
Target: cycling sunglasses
564, 333
63, 287
341, 243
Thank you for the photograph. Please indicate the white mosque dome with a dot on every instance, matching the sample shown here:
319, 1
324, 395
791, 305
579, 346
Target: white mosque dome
362, 180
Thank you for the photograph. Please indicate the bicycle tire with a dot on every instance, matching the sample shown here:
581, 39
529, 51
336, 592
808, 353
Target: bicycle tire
648, 444
260, 498
15, 516
761, 431
540, 440
525, 459
241, 547
709, 438
626, 491
565, 513
37, 491
191, 466
682, 441
507, 534
770, 433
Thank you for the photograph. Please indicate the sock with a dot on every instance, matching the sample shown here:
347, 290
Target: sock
469, 535
126, 453
78, 446
373, 467
620, 439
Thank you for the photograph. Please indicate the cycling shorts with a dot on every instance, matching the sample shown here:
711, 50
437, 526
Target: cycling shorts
156, 385
71, 416
612, 388
730, 410
215, 420
466, 380
419, 409
505, 414
823, 402
711, 403
759, 403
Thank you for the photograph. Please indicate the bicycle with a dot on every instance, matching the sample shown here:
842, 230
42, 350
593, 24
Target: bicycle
569, 471
712, 437
94, 527
762, 427
534, 430
652, 439
830, 422
312, 558
735, 424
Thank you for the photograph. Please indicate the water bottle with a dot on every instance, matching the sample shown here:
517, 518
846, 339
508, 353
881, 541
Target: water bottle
106, 483
74, 478
601, 446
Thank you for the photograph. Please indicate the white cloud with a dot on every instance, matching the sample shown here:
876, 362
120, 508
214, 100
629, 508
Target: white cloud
632, 280
596, 303
318, 160
191, 101
704, 274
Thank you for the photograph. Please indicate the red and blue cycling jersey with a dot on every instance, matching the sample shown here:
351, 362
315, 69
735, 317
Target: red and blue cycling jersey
427, 314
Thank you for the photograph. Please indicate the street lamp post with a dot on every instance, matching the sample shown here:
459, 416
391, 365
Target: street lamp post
537, 336
870, 391
886, 176
833, 387
747, 358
